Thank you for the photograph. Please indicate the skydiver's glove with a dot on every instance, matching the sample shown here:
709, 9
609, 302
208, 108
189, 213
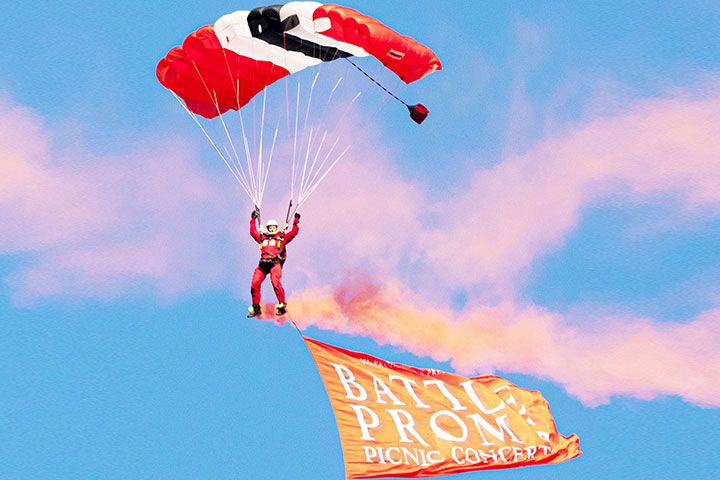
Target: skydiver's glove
297, 216
255, 214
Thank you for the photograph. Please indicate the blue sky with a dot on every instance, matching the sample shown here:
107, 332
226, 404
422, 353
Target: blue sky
145, 366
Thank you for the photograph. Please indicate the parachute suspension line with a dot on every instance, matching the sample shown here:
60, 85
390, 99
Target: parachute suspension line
323, 163
287, 96
209, 138
334, 88
232, 144
377, 83
307, 195
239, 165
317, 184
287, 122
245, 142
312, 174
287, 109
329, 101
303, 177
260, 168
236, 87
307, 157
314, 162
264, 171
287, 115
239, 171
309, 104
317, 154
320, 173
258, 148
248, 155
348, 107
254, 102
254, 134
269, 163
290, 142
295, 136
213, 98
294, 159
237, 96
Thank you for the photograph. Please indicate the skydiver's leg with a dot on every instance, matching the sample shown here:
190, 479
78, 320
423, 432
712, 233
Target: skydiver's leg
256, 285
276, 279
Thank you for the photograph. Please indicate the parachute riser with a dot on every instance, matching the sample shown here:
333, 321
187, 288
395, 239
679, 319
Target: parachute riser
287, 217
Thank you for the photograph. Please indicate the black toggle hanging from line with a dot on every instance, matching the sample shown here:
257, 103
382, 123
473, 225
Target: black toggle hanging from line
418, 112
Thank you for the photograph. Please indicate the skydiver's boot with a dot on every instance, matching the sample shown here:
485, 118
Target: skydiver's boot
254, 310
281, 309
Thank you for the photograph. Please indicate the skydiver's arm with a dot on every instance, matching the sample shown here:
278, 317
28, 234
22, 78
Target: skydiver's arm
294, 231
254, 232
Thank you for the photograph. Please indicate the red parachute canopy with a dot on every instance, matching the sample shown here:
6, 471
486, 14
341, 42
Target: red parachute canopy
223, 66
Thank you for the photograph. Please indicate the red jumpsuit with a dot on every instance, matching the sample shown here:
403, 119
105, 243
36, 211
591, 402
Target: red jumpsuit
272, 258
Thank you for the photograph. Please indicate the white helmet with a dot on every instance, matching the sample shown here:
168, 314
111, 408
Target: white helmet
272, 223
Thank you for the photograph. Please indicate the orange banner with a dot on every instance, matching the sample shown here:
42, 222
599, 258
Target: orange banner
400, 421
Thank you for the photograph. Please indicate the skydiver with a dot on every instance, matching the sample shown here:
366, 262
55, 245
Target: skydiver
273, 253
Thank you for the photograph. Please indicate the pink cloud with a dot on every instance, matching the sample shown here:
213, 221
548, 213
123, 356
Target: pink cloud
36, 198
524, 207
99, 226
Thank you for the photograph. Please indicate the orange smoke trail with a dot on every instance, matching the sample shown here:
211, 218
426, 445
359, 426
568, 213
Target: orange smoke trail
625, 357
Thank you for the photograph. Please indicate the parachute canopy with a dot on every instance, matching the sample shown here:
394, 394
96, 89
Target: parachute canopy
223, 66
